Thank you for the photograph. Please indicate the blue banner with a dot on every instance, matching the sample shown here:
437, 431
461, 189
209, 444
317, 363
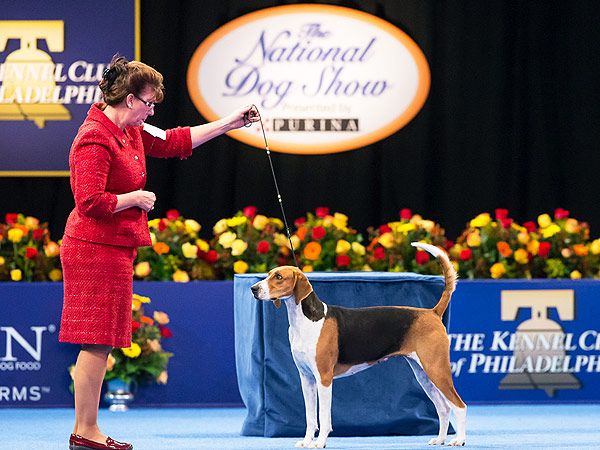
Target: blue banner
52, 55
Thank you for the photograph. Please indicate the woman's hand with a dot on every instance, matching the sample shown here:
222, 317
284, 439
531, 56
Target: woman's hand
243, 117
142, 199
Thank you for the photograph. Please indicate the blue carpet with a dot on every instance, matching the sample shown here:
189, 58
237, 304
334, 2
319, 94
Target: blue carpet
503, 427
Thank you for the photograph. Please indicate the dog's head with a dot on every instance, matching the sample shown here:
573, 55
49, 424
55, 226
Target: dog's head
283, 282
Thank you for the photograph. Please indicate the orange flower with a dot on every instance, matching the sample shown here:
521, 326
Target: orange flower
147, 320
373, 243
504, 249
580, 249
312, 250
301, 232
160, 248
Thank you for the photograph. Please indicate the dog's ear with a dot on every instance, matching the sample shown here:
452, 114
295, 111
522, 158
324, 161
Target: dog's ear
302, 286
277, 302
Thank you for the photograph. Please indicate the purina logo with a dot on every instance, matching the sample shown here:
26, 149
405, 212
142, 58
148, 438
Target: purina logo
21, 354
325, 78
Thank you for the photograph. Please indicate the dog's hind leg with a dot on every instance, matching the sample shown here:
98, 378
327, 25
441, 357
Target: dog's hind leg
325, 394
309, 391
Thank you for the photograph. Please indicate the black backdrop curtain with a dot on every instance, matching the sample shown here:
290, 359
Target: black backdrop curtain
510, 122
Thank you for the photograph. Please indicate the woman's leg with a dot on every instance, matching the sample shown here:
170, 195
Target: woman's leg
88, 377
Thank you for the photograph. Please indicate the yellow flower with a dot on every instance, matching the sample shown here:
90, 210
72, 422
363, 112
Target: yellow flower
2, 260
455, 265
366, 268
307, 268
163, 377
191, 226
31, 222
342, 246
358, 248
220, 226
181, 276
16, 275
595, 247
189, 250
544, 220
340, 221
295, 242
497, 270
481, 220
142, 269
533, 247
521, 256
132, 352
575, 275
280, 240
15, 235
227, 238
277, 222
52, 249
551, 230
135, 304
235, 221
474, 239
572, 226
428, 225
153, 223
260, 222
240, 267
238, 247
153, 239
203, 245
141, 299
406, 227
387, 239
523, 237
55, 275
161, 317
110, 362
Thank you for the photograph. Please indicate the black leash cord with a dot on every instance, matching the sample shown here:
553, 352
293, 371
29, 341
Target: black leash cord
287, 228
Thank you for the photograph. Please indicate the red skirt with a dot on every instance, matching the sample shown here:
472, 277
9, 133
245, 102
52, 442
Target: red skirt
98, 286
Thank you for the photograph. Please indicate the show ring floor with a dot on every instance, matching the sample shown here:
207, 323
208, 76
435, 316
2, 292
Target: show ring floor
506, 427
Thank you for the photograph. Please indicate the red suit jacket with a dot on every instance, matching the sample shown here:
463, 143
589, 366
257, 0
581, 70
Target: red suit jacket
104, 162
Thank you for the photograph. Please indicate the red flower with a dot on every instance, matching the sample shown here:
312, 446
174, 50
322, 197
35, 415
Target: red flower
422, 257
211, 257
250, 211
263, 247
530, 226
135, 326
501, 214
448, 244
384, 229
300, 221
12, 218
544, 250
506, 223
162, 225
172, 214
322, 211
31, 253
466, 254
318, 233
38, 233
561, 213
342, 260
165, 332
379, 253
405, 214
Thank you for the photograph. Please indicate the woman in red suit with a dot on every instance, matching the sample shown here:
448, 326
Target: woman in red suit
109, 222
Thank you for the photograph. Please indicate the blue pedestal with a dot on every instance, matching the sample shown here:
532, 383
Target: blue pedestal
385, 399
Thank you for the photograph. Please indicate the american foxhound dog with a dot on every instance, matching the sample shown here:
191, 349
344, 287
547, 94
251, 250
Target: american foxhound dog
329, 341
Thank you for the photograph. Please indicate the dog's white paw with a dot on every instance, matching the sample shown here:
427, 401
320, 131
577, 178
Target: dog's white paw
437, 441
457, 442
304, 443
316, 444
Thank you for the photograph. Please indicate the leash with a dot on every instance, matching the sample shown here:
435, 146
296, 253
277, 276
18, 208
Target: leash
248, 123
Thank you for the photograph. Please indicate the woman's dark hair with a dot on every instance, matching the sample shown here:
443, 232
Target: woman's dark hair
122, 78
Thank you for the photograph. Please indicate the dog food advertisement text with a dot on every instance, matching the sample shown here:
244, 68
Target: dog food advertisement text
325, 78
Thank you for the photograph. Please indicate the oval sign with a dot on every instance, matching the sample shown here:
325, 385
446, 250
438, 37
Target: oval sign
325, 78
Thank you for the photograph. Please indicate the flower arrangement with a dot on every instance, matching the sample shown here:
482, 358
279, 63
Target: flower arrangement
249, 242
176, 254
552, 248
325, 242
390, 249
26, 251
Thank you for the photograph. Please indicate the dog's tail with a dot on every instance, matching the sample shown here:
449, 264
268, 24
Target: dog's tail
450, 275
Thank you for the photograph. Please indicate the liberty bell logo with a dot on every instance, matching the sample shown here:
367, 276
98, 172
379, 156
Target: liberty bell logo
539, 341
27, 75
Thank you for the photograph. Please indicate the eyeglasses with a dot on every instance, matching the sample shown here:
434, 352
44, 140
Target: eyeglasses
148, 104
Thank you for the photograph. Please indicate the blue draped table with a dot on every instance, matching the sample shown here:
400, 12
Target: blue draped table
385, 399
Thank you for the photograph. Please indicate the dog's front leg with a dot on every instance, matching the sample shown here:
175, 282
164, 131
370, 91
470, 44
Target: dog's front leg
309, 391
325, 393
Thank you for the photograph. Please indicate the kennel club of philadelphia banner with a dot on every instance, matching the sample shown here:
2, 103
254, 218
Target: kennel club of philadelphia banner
324, 78
52, 55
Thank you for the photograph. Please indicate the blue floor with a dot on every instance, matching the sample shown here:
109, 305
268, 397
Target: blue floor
494, 427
